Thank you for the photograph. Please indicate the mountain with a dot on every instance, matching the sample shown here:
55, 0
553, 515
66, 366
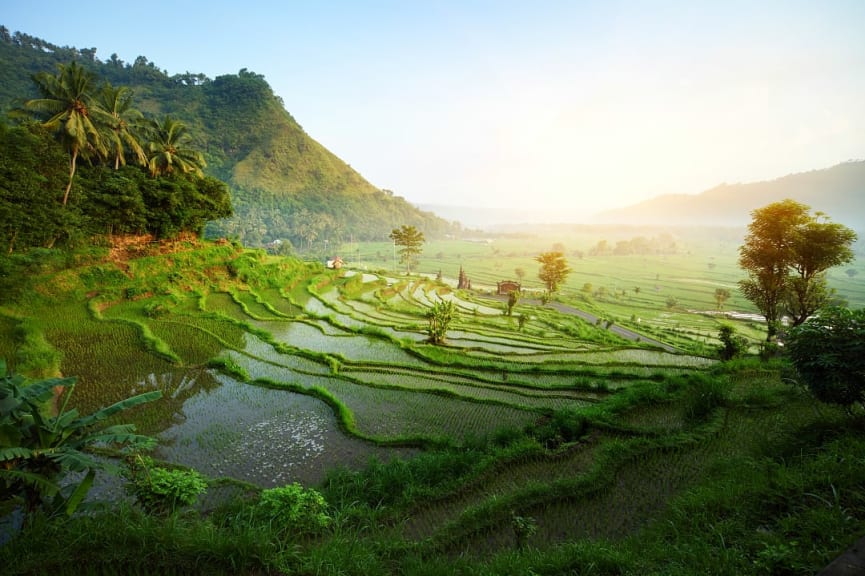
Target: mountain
838, 191
284, 184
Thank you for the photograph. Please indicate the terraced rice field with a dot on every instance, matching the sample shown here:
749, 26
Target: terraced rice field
346, 372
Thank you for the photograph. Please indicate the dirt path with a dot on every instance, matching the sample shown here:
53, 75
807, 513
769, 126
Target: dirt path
850, 563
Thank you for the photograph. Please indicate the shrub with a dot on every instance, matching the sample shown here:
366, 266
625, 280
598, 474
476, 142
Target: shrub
563, 426
524, 527
828, 352
293, 508
732, 346
161, 491
135, 292
155, 309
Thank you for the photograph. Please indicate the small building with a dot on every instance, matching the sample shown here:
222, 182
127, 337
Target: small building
334, 263
507, 286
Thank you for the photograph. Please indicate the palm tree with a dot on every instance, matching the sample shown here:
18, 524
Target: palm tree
168, 151
121, 120
67, 107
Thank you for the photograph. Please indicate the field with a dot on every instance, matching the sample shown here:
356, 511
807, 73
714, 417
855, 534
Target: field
276, 371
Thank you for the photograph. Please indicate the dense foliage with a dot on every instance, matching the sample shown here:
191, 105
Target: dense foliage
624, 458
103, 200
828, 352
38, 451
561, 448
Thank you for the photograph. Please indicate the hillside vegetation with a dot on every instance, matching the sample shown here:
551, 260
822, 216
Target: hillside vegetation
284, 185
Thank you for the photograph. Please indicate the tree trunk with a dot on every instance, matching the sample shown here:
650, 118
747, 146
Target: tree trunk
72, 163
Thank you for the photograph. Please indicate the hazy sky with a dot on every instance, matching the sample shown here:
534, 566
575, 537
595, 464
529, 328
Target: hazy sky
571, 106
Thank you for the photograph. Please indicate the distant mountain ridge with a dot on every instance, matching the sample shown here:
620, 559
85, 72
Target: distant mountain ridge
838, 191
284, 184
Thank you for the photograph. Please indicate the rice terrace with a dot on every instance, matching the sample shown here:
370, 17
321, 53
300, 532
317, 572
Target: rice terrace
515, 434
223, 351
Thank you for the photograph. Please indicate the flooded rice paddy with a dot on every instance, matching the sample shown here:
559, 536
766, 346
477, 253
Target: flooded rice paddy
263, 436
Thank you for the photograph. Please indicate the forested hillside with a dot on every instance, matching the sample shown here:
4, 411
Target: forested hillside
284, 185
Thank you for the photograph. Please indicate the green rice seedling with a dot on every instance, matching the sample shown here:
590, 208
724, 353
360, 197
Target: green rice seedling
702, 396
229, 367
394, 414
229, 334
316, 308
470, 391
33, 353
190, 343
278, 303
223, 303
282, 367
253, 306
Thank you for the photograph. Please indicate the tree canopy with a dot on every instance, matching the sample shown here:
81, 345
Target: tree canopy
104, 200
102, 125
786, 254
554, 269
410, 240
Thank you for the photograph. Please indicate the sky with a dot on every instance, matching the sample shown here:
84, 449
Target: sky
564, 108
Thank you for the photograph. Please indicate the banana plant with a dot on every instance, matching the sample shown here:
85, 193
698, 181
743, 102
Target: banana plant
38, 449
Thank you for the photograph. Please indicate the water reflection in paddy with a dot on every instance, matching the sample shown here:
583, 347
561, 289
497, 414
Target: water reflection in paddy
264, 436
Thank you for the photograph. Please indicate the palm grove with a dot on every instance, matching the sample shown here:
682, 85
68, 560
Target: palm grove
83, 162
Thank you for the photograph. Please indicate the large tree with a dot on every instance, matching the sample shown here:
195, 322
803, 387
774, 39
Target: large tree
819, 245
786, 254
410, 240
66, 106
554, 269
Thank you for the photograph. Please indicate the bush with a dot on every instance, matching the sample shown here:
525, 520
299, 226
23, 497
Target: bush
732, 346
155, 310
828, 352
563, 426
293, 508
161, 491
